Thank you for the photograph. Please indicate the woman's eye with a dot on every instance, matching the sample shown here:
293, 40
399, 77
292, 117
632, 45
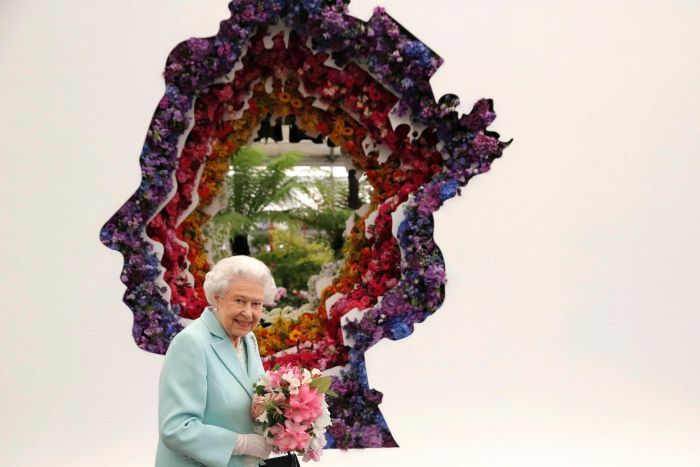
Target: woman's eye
240, 301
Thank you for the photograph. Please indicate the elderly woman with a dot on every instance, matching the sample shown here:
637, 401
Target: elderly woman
207, 378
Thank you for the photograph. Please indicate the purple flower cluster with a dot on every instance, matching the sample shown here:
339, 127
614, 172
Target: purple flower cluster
357, 421
402, 62
155, 323
399, 62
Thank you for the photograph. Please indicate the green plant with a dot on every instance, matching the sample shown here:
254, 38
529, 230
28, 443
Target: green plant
294, 258
259, 191
329, 212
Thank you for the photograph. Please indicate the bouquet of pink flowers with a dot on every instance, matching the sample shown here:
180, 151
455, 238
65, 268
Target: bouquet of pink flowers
289, 409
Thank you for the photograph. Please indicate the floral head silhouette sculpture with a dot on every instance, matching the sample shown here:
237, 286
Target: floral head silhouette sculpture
349, 81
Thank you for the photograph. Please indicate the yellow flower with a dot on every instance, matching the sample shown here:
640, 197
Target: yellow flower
295, 335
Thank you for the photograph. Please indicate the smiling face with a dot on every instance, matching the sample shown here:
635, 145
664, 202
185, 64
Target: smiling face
239, 309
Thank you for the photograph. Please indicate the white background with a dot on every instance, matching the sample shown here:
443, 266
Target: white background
569, 333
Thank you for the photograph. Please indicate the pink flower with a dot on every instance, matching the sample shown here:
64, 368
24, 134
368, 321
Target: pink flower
258, 406
311, 455
315, 449
290, 437
271, 380
275, 400
305, 405
281, 293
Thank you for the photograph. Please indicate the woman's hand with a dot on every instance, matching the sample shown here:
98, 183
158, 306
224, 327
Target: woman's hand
252, 444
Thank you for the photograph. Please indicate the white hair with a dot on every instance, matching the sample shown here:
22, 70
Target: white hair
234, 268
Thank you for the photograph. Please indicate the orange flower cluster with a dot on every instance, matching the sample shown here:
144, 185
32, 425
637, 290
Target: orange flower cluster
286, 333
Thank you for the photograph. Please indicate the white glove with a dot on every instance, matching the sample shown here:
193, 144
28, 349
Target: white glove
252, 444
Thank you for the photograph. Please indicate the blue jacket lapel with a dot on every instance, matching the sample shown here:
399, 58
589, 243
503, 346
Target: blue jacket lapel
254, 369
224, 350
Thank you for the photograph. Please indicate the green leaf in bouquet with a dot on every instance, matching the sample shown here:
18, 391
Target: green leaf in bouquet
331, 393
276, 367
322, 384
275, 418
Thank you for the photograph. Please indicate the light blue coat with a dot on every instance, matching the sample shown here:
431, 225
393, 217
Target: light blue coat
205, 396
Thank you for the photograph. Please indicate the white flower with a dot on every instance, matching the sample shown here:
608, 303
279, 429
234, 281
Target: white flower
272, 315
323, 420
293, 382
262, 418
317, 444
307, 378
264, 379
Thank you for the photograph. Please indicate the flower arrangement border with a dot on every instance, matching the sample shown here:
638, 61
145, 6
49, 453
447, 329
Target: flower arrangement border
402, 64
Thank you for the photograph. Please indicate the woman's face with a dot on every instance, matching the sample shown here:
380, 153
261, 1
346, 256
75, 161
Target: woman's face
239, 309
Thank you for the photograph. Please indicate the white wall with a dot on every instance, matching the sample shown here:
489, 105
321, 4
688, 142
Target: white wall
568, 337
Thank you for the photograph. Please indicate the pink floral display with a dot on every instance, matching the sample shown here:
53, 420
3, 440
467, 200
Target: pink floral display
290, 410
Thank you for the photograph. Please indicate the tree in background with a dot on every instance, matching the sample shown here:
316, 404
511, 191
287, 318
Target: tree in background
293, 258
329, 213
259, 191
